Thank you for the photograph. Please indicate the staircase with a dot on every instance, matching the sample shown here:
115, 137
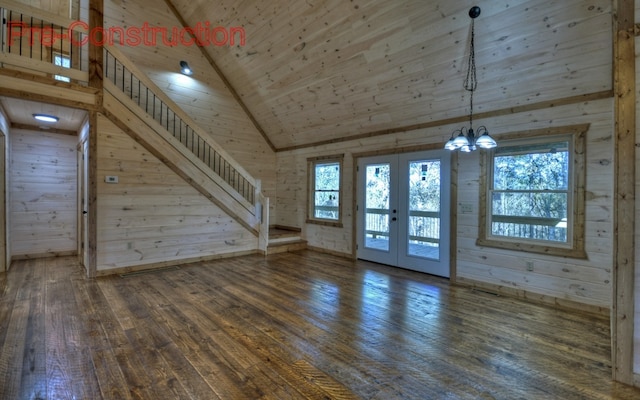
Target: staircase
141, 109
285, 239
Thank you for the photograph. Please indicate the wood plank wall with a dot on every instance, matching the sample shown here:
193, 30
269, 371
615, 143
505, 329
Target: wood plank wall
63, 8
5, 254
203, 96
152, 216
636, 341
43, 208
554, 278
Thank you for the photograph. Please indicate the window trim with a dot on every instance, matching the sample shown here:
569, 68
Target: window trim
311, 182
576, 249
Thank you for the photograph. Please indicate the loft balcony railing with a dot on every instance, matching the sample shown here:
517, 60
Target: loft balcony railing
35, 41
156, 105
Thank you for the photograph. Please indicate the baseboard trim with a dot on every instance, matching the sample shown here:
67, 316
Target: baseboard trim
533, 297
165, 264
44, 255
331, 252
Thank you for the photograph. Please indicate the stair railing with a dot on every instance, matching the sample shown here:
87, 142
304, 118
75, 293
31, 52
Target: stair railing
150, 98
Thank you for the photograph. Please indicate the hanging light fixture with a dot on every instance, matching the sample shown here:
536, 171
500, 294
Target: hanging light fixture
466, 139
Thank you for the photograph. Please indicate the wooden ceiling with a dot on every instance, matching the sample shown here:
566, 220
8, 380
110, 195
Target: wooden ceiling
325, 70
20, 113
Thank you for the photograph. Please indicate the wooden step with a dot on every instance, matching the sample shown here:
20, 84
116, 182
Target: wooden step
286, 247
284, 239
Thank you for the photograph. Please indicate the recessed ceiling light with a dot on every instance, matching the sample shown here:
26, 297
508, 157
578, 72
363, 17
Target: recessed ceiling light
46, 118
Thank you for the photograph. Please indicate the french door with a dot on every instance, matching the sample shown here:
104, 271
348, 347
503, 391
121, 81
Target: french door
403, 203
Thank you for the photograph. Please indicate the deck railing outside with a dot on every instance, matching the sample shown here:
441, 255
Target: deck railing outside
537, 228
153, 105
424, 226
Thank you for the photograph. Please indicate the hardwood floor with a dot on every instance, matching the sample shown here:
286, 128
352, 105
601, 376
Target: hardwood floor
290, 326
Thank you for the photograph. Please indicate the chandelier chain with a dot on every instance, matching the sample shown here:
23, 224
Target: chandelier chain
471, 81
466, 139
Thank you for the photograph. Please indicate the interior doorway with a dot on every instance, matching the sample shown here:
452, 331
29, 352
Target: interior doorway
83, 197
403, 210
41, 185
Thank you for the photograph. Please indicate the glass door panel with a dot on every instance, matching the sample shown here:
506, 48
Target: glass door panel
377, 212
424, 209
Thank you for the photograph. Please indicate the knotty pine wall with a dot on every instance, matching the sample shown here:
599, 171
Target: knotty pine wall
5, 254
152, 216
636, 341
43, 186
63, 8
203, 96
554, 278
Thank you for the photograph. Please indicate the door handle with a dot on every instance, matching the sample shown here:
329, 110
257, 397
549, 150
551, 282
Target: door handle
85, 212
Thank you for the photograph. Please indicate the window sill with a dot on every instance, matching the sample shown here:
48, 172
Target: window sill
335, 224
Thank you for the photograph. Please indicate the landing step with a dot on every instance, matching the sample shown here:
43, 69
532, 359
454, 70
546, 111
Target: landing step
286, 246
282, 240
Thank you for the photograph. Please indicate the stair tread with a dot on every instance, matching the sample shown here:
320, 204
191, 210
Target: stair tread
280, 233
287, 243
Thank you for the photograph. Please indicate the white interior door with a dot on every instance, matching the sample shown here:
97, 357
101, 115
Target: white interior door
403, 210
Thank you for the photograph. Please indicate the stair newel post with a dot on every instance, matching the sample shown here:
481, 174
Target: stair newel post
263, 237
256, 200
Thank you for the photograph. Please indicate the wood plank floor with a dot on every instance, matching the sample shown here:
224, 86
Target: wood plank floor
290, 326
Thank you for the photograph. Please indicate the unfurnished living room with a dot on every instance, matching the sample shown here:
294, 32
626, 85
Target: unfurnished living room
319, 200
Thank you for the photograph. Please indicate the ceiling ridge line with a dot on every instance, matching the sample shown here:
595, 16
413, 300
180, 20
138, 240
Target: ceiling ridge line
221, 75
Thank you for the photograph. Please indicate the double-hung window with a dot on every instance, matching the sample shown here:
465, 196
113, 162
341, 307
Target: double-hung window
533, 199
325, 184
61, 60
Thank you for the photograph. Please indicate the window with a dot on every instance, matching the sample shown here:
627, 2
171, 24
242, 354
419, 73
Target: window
534, 195
325, 205
61, 61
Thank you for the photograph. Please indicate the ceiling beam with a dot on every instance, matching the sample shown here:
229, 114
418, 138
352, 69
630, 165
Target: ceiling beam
222, 76
30, 127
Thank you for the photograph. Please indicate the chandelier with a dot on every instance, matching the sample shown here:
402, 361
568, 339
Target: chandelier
466, 139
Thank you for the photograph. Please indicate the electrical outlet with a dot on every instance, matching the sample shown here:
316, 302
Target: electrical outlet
129, 245
111, 179
529, 266
466, 208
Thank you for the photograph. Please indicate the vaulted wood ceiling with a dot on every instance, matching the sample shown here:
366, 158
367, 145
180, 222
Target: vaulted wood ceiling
315, 71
